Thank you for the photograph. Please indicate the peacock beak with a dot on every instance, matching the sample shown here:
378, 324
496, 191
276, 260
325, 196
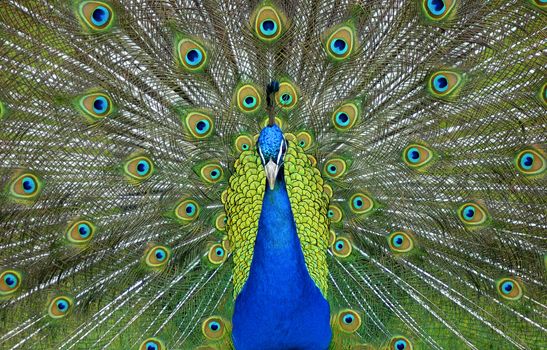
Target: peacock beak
271, 170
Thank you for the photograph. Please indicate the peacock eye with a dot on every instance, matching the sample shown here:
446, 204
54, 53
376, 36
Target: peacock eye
286, 97
472, 214
509, 288
530, 162
400, 343
25, 186
217, 254
10, 281
268, 25
243, 143
342, 247
304, 139
157, 256
152, 344
443, 84
139, 168
400, 242
417, 156
199, 125
210, 172
334, 213
349, 321
345, 117
96, 106
96, 15
360, 203
191, 55
340, 43
220, 222
60, 306
437, 10
187, 210
335, 168
248, 99
80, 232
213, 328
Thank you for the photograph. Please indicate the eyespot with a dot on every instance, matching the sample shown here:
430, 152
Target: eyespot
80, 232
304, 139
243, 143
340, 43
328, 190
96, 106
437, 10
400, 343
96, 15
509, 288
187, 210
60, 306
400, 242
472, 214
248, 99
443, 84
530, 162
10, 282
217, 254
220, 222
417, 156
210, 172
335, 168
157, 256
191, 55
199, 125
349, 321
226, 244
342, 247
334, 214
139, 168
543, 91
152, 344
213, 328
25, 186
360, 203
345, 117
268, 25
287, 96
332, 238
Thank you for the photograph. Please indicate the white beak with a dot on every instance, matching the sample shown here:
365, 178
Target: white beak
271, 170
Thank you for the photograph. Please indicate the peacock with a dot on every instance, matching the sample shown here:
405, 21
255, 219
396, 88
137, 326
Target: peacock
273, 174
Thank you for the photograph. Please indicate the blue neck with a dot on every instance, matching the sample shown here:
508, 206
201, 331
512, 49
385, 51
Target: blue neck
279, 307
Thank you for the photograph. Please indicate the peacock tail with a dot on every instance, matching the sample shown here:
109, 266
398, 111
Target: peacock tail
135, 165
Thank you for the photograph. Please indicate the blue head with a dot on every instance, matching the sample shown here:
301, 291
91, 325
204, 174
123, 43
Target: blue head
272, 147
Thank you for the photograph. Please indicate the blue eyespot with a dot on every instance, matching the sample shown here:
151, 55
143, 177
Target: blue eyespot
527, 160
29, 185
268, 27
214, 326
507, 287
160, 254
413, 155
84, 230
436, 7
348, 318
143, 167
332, 169
62, 305
285, 99
339, 46
203, 126
440, 82
193, 57
339, 245
249, 102
469, 212
190, 209
151, 346
11, 280
245, 147
398, 240
358, 202
100, 16
100, 105
400, 345
330, 213
215, 174
219, 252
342, 119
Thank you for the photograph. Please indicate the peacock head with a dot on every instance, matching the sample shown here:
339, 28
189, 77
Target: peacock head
272, 147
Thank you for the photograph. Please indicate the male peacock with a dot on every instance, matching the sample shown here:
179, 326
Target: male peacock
221, 174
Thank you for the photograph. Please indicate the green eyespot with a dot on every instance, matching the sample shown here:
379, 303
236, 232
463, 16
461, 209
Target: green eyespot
248, 99
334, 214
304, 139
220, 222
60, 306
80, 232
444, 84
216, 254
213, 328
530, 162
96, 16
139, 168
25, 186
417, 156
340, 43
187, 210
349, 321
437, 10
342, 247
191, 55
243, 143
287, 96
198, 124
152, 344
157, 256
472, 214
509, 288
335, 168
210, 172
345, 117
400, 343
268, 23
360, 203
400, 242
10, 282
96, 106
